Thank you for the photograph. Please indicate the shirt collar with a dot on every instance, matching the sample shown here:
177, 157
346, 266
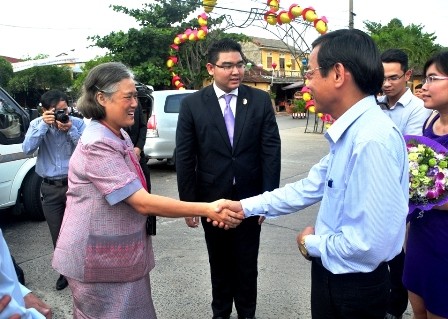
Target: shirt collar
337, 129
404, 100
220, 93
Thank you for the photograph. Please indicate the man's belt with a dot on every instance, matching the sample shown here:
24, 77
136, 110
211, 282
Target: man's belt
57, 182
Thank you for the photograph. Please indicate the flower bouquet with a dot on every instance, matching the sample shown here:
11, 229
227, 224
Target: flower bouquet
428, 173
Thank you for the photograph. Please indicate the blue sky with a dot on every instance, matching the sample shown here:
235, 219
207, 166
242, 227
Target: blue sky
52, 27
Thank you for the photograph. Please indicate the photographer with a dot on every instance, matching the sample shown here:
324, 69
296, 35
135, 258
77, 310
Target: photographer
54, 135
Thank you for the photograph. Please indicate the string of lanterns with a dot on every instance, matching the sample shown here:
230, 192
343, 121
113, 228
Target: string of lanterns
273, 16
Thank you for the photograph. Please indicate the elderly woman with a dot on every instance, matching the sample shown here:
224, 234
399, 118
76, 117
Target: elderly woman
103, 248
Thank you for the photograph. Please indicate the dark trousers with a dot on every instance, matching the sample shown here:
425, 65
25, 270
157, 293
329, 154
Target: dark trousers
349, 296
53, 205
233, 256
398, 294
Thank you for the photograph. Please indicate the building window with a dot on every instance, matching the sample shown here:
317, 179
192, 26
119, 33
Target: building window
269, 62
293, 64
282, 63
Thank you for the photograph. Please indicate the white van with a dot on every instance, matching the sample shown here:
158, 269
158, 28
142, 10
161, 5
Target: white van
19, 184
161, 134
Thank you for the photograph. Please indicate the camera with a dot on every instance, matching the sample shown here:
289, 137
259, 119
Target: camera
61, 116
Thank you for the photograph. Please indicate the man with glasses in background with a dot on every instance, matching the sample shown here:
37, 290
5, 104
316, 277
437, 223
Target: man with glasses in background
228, 146
409, 114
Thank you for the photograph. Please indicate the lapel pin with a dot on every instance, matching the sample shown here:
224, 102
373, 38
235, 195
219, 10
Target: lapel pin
244, 101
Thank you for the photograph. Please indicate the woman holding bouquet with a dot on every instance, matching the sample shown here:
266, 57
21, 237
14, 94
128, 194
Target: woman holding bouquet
426, 264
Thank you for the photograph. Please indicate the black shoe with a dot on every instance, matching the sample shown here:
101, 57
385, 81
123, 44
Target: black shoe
61, 283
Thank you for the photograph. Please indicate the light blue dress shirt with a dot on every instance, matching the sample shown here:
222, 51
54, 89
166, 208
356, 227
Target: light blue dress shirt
9, 285
363, 188
54, 147
408, 113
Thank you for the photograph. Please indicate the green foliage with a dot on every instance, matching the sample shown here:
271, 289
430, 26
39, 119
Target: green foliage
411, 39
6, 73
79, 79
298, 106
146, 50
28, 85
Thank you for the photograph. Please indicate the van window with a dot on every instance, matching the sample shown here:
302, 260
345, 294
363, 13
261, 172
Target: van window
12, 130
172, 102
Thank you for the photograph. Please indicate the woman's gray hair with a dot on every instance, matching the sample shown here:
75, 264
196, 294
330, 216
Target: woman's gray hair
102, 78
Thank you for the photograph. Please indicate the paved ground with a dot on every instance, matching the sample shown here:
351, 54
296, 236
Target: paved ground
180, 280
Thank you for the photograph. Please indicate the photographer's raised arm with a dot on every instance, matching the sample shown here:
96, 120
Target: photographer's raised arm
150, 204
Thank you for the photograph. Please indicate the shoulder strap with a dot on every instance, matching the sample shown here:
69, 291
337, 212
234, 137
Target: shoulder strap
430, 119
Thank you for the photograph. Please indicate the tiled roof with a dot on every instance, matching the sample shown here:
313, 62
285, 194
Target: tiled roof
271, 44
10, 60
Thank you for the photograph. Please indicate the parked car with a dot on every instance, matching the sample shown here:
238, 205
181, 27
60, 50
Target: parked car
161, 135
19, 183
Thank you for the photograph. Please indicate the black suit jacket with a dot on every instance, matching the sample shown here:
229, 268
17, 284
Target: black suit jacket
206, 163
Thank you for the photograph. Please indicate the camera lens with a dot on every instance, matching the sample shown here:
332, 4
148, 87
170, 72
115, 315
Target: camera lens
61, 116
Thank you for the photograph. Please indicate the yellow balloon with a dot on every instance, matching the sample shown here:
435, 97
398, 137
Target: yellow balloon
312, 109
319, 115
310, 16
306, 96
296, 11
284, 18
271, 19
321, 27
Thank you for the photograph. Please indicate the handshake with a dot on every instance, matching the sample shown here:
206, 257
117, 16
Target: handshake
222, 213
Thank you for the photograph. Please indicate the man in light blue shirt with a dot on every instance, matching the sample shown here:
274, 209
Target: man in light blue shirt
21, 300
408, 113
361, 180
403, 107
54, 135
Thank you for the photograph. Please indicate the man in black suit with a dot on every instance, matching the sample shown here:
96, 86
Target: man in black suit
216, 161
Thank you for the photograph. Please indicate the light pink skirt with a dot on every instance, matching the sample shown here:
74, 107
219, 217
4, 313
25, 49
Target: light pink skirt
112, 300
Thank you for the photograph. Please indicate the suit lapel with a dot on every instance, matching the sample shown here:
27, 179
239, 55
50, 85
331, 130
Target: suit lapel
212, 105
242, 106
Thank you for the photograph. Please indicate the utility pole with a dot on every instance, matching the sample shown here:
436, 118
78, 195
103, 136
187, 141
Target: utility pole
351, 14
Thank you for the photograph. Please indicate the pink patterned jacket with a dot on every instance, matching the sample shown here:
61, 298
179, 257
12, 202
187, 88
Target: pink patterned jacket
103, 239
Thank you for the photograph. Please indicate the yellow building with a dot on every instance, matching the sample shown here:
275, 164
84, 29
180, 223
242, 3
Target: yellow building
275, 67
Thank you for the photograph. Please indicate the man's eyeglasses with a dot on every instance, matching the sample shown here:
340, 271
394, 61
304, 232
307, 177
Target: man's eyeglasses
432, 78
229, 67
309, 73
393, 78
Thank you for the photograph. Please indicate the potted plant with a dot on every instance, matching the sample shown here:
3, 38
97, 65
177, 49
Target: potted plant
298, 109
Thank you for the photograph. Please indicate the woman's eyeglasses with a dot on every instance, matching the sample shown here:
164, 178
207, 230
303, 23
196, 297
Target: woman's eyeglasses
432, 78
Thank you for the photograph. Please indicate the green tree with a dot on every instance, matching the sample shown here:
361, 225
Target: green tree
79, 79
28, 85
6, 73
417, 44
146, 50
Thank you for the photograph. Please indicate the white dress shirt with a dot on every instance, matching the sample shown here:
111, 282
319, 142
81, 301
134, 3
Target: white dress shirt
9, 285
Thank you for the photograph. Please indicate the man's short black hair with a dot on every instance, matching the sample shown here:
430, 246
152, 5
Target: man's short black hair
223, 45
52, 98
397, 56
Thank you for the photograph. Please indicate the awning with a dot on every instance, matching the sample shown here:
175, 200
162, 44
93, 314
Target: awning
293, 86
